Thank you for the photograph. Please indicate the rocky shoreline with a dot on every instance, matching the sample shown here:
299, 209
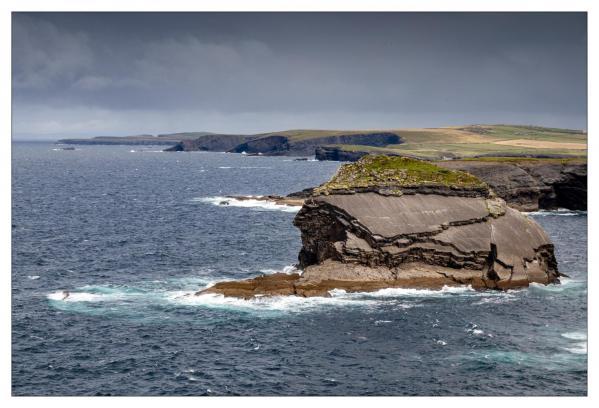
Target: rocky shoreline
395, 222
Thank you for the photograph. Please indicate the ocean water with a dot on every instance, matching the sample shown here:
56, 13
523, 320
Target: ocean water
130, 231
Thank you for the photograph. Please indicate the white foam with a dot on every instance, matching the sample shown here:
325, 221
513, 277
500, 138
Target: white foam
184, 290
225, 167
565, 284
379, 322
409, 292
90, 293
496, 298
33, 277
564, 212
579, 348
266, 303
79, 297
575, 335
249, 203
289, 270
338, 297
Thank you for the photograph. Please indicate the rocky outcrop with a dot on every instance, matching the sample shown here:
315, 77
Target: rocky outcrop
212, 143
530, 185
276, 145
447, 230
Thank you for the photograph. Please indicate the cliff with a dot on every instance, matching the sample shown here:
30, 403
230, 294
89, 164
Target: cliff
531, 184
336, 153
306, 146
213, 143
396, 222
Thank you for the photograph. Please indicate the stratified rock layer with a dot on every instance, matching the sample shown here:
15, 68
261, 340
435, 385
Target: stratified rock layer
447, 239
395, 234
530, 185
364, 242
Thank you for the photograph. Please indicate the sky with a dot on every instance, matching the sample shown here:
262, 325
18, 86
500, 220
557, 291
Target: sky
96, 74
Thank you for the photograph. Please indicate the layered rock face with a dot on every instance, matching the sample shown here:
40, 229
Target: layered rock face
530, 185
370, 229
420, 240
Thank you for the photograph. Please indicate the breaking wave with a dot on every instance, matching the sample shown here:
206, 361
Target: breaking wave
145, 297
578, 342
575, 335
253, 203
567, 284
564, 212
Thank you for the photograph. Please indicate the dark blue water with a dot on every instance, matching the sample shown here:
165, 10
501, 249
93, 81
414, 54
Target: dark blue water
130, 232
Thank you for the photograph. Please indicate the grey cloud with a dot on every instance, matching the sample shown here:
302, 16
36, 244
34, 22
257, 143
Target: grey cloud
44, 55
265, 71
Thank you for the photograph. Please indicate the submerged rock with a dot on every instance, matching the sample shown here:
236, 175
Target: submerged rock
395, 222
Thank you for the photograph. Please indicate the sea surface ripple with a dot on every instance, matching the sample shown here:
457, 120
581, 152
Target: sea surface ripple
131, 232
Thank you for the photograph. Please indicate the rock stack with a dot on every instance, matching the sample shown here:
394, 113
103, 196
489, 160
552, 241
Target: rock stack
397, 222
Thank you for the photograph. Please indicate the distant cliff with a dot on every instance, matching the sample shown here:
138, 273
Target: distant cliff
163, 139
336, 153
279, 145
212, 143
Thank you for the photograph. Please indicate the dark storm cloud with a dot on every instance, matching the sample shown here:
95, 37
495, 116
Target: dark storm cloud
120, 73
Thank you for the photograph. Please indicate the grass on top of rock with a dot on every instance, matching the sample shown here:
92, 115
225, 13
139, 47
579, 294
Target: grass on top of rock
395, 172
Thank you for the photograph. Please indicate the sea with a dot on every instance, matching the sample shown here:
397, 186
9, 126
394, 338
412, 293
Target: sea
131, 232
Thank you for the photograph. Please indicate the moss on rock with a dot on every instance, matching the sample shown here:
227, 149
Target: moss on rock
393, 172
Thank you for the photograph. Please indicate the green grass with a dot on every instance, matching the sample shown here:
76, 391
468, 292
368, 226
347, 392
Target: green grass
463, 141
533, 133
525, 159
438, 150
395, 172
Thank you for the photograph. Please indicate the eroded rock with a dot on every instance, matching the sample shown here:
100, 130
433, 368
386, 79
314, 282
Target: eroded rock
452, 231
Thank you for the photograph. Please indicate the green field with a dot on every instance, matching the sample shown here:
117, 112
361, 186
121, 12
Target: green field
477, 140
